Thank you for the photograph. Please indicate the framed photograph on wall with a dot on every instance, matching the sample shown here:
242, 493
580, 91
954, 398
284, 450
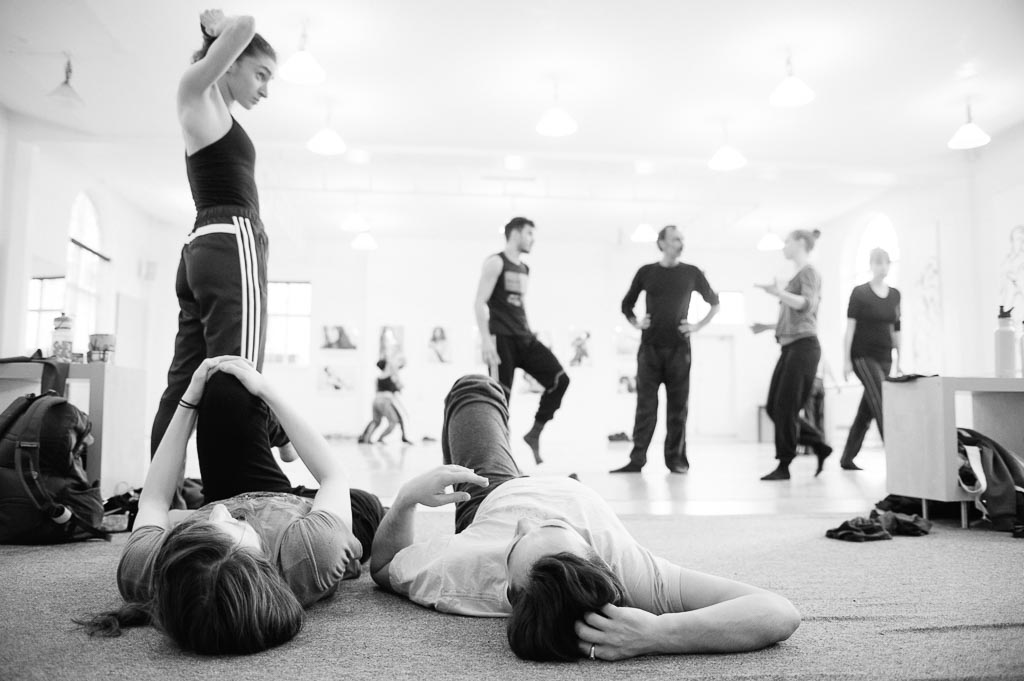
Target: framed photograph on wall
336, 337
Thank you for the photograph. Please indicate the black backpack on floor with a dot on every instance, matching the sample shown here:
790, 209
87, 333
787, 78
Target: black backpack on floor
45, 497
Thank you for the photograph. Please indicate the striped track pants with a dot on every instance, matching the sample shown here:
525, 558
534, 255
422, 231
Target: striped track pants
221, 286
871, 373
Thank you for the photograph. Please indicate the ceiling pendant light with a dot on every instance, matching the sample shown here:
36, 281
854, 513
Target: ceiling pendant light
556, 121
326, 141
302, 68
770, 242
64, 93
968, 135
364, 241
791, 92
727, 158
643, 234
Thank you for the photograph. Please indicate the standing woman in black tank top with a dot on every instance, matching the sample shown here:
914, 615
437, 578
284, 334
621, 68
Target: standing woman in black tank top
221, 282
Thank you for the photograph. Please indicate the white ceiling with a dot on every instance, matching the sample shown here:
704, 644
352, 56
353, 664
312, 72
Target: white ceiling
440, 90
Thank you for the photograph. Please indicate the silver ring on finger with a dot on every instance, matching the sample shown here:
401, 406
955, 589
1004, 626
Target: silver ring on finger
592, 646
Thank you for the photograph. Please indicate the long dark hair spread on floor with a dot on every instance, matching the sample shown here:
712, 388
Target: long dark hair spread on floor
211, 596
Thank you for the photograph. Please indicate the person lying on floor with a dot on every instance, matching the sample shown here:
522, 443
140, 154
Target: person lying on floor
552, 556
235, 575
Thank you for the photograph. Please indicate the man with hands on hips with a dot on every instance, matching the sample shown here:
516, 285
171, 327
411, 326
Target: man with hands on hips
552, 556
665, 352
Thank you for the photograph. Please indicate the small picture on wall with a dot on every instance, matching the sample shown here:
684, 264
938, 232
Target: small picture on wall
627, 340
337, 338
580, 349
333, 378
439, 346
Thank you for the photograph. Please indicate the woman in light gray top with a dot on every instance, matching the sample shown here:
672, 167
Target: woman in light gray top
797, 333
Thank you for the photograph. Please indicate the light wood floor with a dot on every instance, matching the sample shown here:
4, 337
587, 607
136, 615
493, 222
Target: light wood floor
723, 479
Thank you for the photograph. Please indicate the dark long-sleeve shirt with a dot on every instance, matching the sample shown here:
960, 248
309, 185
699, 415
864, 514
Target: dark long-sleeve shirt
668, 292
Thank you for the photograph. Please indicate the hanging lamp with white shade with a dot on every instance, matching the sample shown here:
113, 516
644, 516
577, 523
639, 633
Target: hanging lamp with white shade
326, 141
969, 135
364, 241
791, 92
770, 242
643, 234
302, 68
65, 93
556, 121
726, 159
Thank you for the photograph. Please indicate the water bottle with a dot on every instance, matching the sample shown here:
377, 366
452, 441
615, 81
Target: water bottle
1006, 339
62, 337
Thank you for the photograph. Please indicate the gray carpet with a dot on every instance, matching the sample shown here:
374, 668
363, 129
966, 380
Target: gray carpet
947, 605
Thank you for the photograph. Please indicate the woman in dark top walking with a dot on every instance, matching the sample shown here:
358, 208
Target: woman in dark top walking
872, 333
797, 334
221, 282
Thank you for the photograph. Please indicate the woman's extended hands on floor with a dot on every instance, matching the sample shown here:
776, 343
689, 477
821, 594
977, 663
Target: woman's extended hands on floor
617, 633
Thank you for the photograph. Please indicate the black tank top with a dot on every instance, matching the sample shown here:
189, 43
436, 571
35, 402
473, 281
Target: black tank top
386, 385
222, 173
506, 304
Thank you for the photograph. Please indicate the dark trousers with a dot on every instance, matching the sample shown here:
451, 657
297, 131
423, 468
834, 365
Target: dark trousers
655, 366
533, 357
221, 286
233, 442
871, 373
475, 435
790, 387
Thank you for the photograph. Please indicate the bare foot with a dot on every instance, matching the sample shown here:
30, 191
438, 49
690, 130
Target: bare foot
534, 442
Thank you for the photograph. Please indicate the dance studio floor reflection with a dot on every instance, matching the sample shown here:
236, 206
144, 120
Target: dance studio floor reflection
723, 478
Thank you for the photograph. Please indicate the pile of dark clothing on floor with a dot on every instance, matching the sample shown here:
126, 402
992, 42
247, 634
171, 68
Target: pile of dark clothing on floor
880, 525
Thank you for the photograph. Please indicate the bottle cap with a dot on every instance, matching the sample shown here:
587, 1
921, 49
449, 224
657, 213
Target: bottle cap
1004, 314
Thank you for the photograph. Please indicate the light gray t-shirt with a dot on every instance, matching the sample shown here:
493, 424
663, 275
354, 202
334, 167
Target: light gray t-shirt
465, 573
803, 323
312, 550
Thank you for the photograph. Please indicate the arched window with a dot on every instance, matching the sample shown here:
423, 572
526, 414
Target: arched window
878, 233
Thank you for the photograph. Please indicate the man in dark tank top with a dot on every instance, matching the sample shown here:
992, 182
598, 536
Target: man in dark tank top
506, 340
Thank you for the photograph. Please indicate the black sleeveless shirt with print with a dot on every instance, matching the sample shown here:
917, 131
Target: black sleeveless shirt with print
506, 304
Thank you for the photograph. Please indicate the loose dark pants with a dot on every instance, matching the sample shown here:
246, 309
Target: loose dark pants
871, 373
233, 442
533, 357
656, 366
222, 297
791, 385
475, 435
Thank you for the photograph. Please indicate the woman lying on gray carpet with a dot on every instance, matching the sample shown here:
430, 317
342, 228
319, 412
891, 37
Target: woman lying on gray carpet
235, 575
552, 556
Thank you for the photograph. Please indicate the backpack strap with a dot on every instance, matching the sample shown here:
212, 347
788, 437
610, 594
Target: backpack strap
26, 464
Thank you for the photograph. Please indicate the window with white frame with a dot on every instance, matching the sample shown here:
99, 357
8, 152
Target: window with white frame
45, 302
289, 320
88, 295
878, 233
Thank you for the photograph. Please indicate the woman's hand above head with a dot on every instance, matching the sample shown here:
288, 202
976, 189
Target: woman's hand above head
212, 22
617, 633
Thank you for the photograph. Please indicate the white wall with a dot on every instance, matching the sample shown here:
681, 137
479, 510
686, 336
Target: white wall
422, 282
962, 225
